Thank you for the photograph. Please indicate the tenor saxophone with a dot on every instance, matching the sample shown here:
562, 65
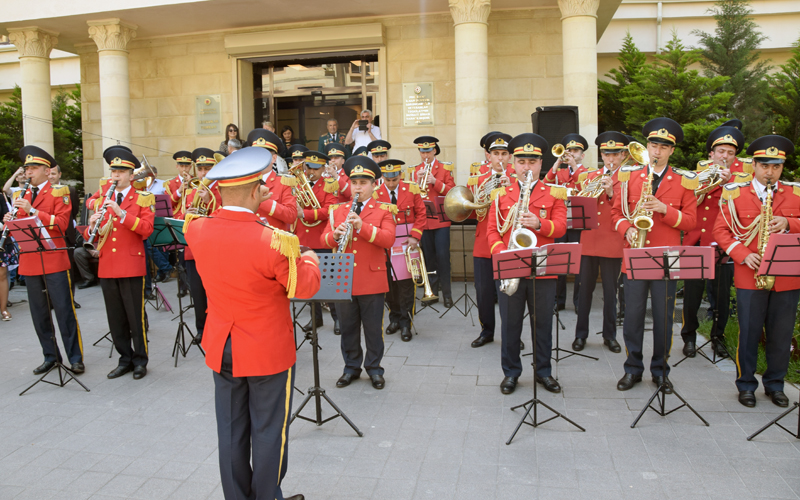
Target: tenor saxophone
764, 282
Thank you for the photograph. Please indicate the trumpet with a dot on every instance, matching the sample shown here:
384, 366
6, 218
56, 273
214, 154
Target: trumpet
709, 178
14, 212
559, 151
419, 274
303, 191
89, 244
423, 185
521, 238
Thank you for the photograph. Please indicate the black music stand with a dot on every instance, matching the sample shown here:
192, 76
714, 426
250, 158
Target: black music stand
33, 237
163, 209
547, 260
781, 259
469, 302
336, 286
174, 228
720, 259
671, 263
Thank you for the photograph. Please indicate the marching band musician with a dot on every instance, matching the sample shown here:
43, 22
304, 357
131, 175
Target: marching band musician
674, 209
128, 221
601, 248
371, 229
52, 205
313, 222
176, 186
763, 307
280, 209
410, 210
723, 145
91, 201
337, 152
208, 200
436, 240
567, 170
495, 174
253, 360
379, 150
546, 216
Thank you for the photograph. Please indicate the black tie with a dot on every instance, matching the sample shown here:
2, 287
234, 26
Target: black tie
358, 208
394, 199
311, 184
35, 191
657, 182
119, 198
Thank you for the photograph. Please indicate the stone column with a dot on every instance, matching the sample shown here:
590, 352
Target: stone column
579, 42
34, 46
472, 81
112, 37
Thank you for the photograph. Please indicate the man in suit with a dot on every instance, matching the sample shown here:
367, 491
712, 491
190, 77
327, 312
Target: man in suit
674, 208
332, 136
248, 339
373, 231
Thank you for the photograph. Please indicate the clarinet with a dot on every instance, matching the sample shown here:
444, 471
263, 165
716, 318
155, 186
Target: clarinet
14, 214
89, 245
348, 231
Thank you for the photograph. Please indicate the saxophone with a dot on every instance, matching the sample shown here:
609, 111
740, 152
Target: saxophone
643, 219
521, 238
765, 282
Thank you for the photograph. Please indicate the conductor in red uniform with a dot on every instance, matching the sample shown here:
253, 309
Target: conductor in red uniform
128, 221
373, 231
248, 337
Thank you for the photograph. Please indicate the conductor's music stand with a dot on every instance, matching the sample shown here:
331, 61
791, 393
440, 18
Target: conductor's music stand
781, 259
336, 286
547, 260
667, 264
33, 237
174, 228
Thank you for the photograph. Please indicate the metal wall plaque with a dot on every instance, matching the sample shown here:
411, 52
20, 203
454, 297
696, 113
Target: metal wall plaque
207, 115
417, 104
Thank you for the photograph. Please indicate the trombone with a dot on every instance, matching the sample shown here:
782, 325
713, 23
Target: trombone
419, 273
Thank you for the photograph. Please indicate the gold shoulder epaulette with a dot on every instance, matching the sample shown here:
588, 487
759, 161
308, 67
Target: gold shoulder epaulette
558, 192
103, 182
332, 208
475, 168
16, 194
145, 199
703, 164
689, 180
731, 191
473, 180
375, 194
331, 186
501, 191
447, 165
288, 180
288, 245
413, 187
582, 177
388, 206
60, 190
624, 174
742, 177
795, 187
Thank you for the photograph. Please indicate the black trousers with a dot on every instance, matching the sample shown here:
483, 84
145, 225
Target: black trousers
775, 313
60, 291
199, 298
253, 414
572, 236
636, 292
512, 312
366, 310
693, 296
435, 246
86, 264
316, 307
486, 291
609, 270
124, 298
400, 299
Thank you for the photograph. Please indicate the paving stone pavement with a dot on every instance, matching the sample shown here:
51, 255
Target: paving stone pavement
437, 430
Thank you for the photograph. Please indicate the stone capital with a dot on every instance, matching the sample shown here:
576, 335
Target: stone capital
470, 11
574, 8
33, 41
111, 34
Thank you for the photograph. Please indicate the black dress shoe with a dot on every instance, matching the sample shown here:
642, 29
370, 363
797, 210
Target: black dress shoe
377, 381
747, 398
160, 277
77, 368
295, 497
392, 328
183, 293
778, 398
719, 348
690, 349
448, 302
345, 379
549, 383
77, 306
336, 329
197, 339
508, 385
150, 296
561, 307
43, 368
578, 344
659, 379
87, 284
309, 327
139, 372
482, 341
119, 371
628, 381
521, 345
405, 334
612, 345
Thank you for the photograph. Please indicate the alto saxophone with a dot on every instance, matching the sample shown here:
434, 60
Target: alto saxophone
765, 282
643, 219
521, 237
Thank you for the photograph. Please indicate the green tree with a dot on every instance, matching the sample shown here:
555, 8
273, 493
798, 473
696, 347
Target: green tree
732, 51
611, 110
11, 134
67, 133
667, 87
783, 101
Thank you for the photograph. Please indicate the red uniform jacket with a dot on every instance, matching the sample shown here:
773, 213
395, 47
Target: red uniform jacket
410, 209
310, 228
214, 205
253, 308
122, 250
603, 241
54, 206
564, 176
443, 183
546, 202
676, 191
785, 203
281, 209
344, 188
369, 245
104, 183
173, 188
481, 244
708, 208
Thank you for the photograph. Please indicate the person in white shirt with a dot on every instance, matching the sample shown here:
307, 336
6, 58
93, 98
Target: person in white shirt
357, 138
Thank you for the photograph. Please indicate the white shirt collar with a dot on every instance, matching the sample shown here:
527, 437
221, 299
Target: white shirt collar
761, 190
124, 192
40, 186
234, 208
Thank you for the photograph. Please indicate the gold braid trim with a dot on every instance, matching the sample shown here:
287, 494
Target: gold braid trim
187, 220
288, 180
730, 191
623, 176
497, 192
558, 192
413, 187
287, 245
742, 177
391, 208
331, 186
145, 199
447, 166
747, 165
60, 190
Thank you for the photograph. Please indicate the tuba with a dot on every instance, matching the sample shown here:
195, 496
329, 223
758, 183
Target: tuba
765, 282
419, 274
303, 192
521, 238
143, 176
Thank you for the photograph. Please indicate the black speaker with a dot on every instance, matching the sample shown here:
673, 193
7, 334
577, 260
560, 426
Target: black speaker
553, 123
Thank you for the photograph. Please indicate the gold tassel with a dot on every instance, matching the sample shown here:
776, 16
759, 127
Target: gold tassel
105, 231
747, 165
60, 190
448, 166
473, 180
742, 177
501, 191
287, 245
730, 191
145, 199
331, 186
623, 176
289, 180
187, 220
391, 208
688, 182
413, 187
558, 192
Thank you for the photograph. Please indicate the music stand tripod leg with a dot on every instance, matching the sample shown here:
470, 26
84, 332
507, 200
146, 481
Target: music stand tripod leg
776, 421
